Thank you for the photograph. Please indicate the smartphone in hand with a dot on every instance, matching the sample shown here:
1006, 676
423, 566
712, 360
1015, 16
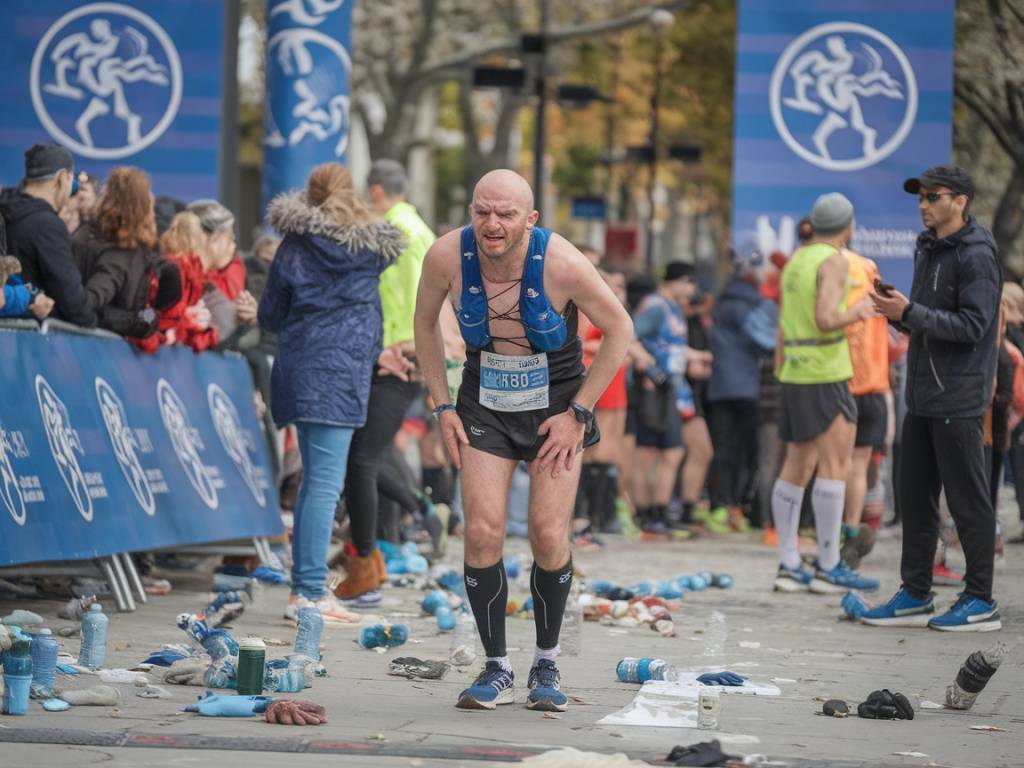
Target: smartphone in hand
884, 289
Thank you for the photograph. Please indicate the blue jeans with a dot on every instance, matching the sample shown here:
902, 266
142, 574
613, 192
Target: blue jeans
324, 451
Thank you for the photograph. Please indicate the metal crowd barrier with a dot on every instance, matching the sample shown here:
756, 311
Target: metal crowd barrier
118, 570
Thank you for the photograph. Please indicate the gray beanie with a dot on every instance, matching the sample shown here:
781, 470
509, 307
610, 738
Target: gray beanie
831, 214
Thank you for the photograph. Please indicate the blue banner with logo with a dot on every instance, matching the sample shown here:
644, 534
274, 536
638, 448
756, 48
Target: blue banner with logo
136, 82
851, 96
104, 450
309, 66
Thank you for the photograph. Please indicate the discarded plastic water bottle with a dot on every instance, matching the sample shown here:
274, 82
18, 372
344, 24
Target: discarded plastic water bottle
216, 642
44, 660
311, 626
94, 638
709, 706
17, 678
716, 632
463, 648
631, 670
570, 639
974, 676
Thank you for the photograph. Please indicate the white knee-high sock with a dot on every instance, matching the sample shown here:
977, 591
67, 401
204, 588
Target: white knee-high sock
786, 501
827, 497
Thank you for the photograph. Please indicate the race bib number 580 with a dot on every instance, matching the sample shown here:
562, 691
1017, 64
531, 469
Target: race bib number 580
511, 383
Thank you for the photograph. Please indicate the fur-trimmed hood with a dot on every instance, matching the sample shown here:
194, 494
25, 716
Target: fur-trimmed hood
291, 214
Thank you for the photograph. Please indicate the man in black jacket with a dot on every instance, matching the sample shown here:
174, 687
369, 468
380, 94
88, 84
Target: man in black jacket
38, 237
952, 317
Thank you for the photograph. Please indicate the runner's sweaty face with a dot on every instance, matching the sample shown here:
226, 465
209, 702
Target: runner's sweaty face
501, 213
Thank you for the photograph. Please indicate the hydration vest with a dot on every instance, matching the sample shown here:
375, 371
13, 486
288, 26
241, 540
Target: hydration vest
545, 328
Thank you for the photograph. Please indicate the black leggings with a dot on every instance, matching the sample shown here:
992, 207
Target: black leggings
390, 398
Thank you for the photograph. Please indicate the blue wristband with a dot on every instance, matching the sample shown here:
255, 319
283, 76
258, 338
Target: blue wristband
441, 409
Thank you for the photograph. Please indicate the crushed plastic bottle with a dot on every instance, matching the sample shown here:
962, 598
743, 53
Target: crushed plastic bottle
570, 639
216, 642
974, 676
716, 633
632, 670
94, 638
462, 652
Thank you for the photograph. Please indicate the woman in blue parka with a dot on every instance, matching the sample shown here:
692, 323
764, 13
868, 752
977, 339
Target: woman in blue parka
322, 299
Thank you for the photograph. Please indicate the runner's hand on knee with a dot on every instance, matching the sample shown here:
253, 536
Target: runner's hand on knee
564, 436
454, 435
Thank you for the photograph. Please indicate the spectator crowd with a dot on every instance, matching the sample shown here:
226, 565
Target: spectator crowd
322, 310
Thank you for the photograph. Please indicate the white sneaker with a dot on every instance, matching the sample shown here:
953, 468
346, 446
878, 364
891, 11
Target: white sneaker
332, 610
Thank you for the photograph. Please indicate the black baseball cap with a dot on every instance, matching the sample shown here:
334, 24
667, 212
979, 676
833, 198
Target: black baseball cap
44, 160
952, 177
679, 270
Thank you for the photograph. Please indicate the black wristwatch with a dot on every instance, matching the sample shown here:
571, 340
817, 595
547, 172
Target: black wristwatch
583, 415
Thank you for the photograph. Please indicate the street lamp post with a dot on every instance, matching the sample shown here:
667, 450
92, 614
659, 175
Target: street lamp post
660, 20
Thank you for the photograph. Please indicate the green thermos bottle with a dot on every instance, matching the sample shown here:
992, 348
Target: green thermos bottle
252, 658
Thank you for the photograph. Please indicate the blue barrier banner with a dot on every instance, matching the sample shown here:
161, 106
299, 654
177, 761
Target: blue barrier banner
851, 96
136, 82
306, 122
105, 450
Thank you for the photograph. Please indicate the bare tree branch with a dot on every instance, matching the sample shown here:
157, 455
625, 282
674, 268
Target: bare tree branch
555, 36
980, 104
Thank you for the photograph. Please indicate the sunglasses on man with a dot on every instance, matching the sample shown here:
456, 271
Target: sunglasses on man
933, 197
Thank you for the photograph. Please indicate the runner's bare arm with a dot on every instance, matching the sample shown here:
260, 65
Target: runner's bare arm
574, 276
435, 281
832, 278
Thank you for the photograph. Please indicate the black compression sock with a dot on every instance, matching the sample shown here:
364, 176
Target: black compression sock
550, 590
487, 589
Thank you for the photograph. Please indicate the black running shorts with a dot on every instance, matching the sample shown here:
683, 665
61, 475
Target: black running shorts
807, 410
872, 420
513, 435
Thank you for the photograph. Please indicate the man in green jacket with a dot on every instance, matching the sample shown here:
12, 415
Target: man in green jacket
391, 391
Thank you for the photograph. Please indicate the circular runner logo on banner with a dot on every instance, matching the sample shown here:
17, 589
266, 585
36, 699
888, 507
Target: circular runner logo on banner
106, 81
843, 96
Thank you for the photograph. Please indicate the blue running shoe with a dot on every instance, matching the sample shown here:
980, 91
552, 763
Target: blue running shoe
969, 614
793, 579
545, 691
902, 610
492, 687
841, 579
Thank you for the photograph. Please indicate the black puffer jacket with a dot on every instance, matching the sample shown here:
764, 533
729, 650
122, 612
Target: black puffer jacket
953, 323
40, 240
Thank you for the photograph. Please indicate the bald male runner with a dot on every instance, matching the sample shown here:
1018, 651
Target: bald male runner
525, 396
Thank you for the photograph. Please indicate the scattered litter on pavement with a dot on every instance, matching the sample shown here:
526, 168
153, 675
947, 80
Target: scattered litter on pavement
217, 705
552, 716
97, 696
989, 728
835, 708
749, 644
154, 692
413, 668
125, 676
926, 704
276, 642
567, 757
189, 671
72, 631
22, 618
704, 753
781, 679
295, 712
974, 675
910, 754
376, 737
383, 636
886, 705
56, 705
